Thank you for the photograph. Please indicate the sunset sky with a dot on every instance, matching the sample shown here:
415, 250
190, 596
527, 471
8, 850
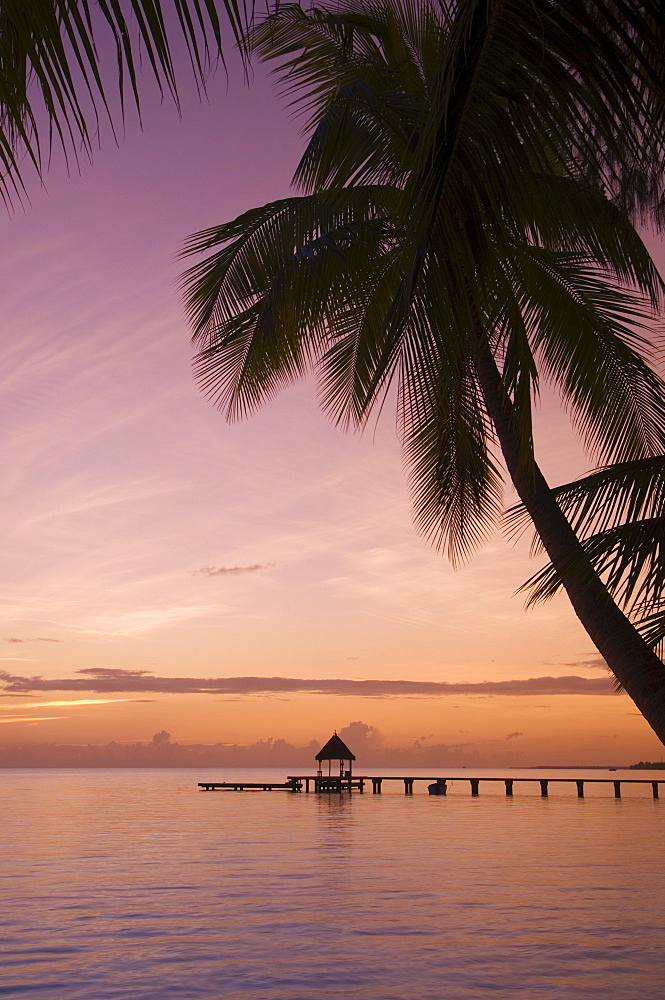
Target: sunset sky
144, 534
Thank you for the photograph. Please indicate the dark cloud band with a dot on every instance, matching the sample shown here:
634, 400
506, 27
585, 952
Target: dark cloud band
108, 680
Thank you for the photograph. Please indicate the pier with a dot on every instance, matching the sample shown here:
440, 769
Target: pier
331, 784
439, 786
290, 785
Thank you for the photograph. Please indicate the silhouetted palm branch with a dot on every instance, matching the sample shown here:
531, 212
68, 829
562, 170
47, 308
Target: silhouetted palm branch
54, 85
619, 514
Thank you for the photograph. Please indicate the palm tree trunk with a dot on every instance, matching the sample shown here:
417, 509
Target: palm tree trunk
632, 661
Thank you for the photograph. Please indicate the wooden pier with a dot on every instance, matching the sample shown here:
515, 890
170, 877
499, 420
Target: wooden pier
439, 786
290, 785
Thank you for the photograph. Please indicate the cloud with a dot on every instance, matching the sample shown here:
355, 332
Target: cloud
361, 735
161, 738
109, 679
68, 704
117, 672
513, 736
39, 638
31, 718
139, 621
588, 663
228, 570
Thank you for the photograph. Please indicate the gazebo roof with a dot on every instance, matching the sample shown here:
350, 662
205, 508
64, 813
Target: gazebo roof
335, 749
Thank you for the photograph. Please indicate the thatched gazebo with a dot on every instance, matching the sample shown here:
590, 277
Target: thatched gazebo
336, 749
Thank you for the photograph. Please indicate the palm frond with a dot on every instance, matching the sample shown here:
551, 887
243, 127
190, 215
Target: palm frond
584, 332
652, 630
527, 89
619, 512
360, 76
283, 290
456, 485
620, 493
53, 83
629, 557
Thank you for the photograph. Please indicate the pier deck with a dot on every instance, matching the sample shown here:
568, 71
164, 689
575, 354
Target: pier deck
291, 785
436, 786
359, 781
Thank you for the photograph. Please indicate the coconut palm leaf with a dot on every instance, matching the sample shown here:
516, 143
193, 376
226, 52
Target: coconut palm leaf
630, 557
619, 512
585, 338
282, 292
361, 79
55, 86
652, 630
456, 484
620, 493
531, 89
592, 72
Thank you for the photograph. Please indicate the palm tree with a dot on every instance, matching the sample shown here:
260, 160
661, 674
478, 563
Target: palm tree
452, 239
53, 83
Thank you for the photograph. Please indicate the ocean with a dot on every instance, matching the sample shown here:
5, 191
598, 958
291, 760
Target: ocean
135, 885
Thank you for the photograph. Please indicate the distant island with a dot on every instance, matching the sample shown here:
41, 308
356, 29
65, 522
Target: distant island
648, 765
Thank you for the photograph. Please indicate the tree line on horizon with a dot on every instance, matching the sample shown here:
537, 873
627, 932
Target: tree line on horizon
463, 230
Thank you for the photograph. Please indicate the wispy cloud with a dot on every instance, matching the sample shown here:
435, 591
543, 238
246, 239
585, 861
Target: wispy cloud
108, 679
39, 638
586, 663
75, 499
131, 622
228, 570
68, 704
513, 736
31, 718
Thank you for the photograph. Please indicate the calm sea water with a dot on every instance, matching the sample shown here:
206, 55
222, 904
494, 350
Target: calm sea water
134, 884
